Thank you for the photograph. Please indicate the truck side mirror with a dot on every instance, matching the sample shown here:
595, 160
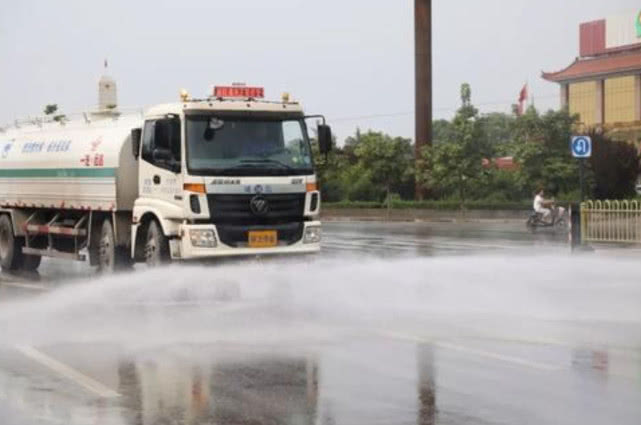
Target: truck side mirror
324, 138
136, 134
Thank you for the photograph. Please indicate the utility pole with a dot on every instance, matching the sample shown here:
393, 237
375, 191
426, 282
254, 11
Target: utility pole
423, 78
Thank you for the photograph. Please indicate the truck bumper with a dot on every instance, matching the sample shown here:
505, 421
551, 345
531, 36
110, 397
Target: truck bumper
182, 248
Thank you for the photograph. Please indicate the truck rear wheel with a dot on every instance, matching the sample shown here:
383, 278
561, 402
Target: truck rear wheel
156, 246
31, 263
10, 247
110, 257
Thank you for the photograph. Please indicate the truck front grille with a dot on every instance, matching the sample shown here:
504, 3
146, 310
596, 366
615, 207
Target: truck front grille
283, 207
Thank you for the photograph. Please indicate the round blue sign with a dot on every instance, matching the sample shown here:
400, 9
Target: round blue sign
581, 147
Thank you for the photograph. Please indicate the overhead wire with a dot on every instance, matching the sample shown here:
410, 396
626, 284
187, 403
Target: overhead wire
449, 108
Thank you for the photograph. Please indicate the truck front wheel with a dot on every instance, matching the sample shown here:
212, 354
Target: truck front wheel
156, 246
10, 247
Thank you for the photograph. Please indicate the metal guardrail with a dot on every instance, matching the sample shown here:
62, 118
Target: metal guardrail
611, 221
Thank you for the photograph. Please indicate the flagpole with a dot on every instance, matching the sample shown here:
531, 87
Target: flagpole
523, 97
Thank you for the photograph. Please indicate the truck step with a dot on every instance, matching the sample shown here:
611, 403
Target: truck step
54, 230
53, 253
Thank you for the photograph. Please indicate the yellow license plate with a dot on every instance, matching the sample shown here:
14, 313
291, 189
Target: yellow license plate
262, 238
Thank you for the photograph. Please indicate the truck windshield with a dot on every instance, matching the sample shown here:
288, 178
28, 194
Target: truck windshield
247, 146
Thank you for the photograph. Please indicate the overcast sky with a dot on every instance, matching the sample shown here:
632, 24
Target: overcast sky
347, 59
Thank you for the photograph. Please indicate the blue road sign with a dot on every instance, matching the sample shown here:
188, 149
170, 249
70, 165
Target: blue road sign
581, 146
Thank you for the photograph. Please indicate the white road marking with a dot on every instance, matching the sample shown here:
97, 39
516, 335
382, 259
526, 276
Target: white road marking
508, 359
49, 419
68, 372
432, 243
481, 353
30, 286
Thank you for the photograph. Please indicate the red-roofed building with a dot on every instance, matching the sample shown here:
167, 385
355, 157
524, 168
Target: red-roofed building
603, 84
503, 163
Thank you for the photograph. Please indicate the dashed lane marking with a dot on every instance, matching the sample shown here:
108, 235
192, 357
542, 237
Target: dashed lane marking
67, 372
495, 356
20, 285
476, 352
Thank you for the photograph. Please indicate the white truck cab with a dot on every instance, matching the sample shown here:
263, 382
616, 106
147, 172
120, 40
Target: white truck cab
229, 175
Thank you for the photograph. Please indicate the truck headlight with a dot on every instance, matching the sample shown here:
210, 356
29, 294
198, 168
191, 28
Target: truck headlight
202, 238
312, 234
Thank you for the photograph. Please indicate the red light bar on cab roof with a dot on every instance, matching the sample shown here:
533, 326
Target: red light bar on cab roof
238, 91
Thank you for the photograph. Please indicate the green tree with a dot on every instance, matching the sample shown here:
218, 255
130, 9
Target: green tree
451, 167
386, 161
541, 148
614, 168
497, 129
51, 109
373, 166
369, 167
441, 132
328, 170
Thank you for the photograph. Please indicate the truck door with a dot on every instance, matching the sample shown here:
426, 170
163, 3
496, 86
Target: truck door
160, 167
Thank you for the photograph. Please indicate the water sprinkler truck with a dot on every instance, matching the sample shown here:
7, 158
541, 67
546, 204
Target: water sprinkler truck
229, 175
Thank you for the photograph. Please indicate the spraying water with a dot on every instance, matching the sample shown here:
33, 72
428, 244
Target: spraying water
536, 299
353, 339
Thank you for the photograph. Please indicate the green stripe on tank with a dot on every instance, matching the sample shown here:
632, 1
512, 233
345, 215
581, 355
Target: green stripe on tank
57, 172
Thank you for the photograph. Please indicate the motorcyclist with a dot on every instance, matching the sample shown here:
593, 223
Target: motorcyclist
543, 206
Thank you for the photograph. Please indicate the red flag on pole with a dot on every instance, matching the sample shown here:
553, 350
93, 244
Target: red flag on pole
522, 98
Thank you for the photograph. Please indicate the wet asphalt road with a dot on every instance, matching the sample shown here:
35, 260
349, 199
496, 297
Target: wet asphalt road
200, 357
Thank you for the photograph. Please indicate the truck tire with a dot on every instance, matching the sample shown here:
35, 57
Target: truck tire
111, 258
30, 263
10, 246
156, 246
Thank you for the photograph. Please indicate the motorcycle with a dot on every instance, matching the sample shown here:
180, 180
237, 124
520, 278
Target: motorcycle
535, 220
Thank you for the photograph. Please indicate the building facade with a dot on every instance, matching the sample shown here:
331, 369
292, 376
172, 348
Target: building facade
603, 84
